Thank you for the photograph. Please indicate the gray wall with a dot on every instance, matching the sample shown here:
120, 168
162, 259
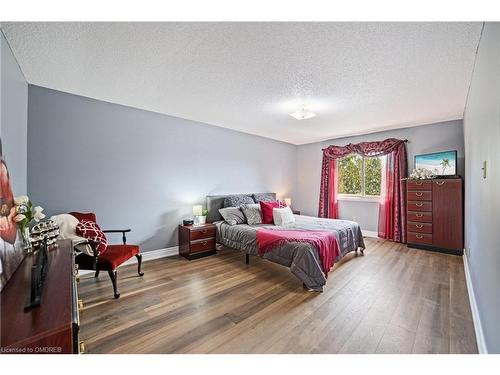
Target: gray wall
13, 117
482, 203
140, 169
422, 139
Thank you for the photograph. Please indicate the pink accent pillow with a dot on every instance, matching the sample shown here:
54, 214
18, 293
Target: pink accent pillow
267, 210
91, 231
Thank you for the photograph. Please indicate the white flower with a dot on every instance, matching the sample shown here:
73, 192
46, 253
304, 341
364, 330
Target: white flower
22, 209
21, 200
421, 174
37, 213
19, 217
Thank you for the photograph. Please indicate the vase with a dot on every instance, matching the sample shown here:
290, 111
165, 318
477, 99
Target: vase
26, 241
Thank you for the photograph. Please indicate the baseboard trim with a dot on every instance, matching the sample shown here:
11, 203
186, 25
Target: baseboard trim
369, 233
478, 328
146, 257
156, 254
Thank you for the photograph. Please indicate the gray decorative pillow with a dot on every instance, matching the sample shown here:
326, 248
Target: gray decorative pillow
252, 213
237, 200
233, 215
264, 197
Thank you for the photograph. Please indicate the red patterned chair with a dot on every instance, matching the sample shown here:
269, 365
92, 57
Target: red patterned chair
110, 259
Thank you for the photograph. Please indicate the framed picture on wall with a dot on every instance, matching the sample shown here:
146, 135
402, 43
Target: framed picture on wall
11, 251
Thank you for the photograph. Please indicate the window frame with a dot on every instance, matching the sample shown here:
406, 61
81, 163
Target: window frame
363, 196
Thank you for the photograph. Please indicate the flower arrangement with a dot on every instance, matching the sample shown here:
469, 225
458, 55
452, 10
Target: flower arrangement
421, 174
25, 214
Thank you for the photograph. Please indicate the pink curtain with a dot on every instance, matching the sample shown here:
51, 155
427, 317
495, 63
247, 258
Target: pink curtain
328, 206
392, 210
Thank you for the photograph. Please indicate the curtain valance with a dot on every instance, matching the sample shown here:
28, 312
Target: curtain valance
377, 148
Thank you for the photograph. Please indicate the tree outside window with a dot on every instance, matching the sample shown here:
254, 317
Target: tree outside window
359, 176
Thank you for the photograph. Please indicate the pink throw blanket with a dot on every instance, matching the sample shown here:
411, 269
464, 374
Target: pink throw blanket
324, 242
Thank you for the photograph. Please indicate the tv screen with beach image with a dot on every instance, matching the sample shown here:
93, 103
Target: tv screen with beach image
439, 163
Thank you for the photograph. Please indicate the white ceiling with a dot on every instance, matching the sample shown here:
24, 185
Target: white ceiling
357, 77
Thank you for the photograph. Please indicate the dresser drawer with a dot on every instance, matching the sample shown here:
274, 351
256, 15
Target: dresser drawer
417, 238
419, 206
202, 233
419, 227
419, 185
422, 217
419, 195
203, 245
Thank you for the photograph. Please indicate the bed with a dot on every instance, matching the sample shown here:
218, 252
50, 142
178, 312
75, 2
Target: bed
302, 258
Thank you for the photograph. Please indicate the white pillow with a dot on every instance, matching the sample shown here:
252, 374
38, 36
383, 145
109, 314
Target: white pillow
283, 216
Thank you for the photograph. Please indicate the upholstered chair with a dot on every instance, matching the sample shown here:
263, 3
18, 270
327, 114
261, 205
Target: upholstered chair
112, 258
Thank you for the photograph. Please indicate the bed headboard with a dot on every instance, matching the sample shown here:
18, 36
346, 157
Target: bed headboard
214, 202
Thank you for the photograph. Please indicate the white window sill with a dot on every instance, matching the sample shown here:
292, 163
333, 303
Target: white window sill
358, 199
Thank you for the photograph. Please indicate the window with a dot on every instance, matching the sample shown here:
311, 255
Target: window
359, 176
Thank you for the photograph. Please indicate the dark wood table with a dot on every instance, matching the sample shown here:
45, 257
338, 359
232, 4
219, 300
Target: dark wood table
53, 326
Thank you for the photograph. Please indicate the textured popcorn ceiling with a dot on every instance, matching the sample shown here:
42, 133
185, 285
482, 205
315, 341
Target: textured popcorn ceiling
357, 77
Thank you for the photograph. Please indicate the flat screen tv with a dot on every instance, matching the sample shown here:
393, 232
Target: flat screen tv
439, 163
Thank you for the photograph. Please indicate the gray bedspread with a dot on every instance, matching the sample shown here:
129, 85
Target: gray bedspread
302, 258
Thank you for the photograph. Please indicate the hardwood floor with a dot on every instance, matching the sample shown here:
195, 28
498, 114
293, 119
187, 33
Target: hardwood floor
391, 300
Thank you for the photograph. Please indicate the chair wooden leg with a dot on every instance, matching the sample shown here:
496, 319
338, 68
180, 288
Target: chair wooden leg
139, 264
96, 273
113, 276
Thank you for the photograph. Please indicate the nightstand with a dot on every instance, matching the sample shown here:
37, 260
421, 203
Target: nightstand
196, 241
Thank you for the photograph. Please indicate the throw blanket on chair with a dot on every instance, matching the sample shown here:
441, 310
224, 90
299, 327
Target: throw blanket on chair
325, 242
67, 230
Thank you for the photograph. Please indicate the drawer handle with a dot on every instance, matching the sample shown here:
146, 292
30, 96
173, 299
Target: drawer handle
204, 231
419, 236
80, 304
440, 182
418, 183
419, 204
419, 226
419, 215
82, 347
419, 194
204, 243
77, 277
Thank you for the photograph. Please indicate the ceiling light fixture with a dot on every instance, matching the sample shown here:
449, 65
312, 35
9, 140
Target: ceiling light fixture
302, 114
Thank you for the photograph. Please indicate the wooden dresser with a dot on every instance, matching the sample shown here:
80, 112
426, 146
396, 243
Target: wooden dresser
196, 241
51, 328
435, 214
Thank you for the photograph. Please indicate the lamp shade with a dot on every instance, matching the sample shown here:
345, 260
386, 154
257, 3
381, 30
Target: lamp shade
288, 201
197, 210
